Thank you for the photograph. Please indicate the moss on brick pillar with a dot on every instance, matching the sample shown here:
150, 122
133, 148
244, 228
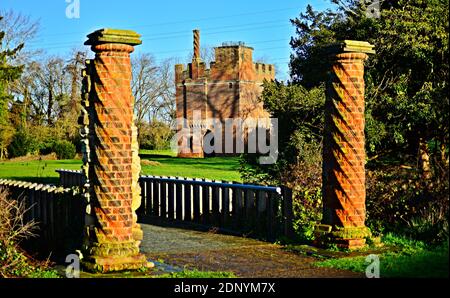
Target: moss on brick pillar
113, 239
344, 155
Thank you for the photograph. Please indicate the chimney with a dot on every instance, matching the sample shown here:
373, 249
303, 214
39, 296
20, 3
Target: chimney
196, 45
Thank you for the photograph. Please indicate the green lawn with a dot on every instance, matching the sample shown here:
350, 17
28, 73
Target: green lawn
36, 171
406, 259
215, 168
167, 164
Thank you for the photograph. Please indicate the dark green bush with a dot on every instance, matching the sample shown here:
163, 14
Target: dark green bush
46, 148
400, 201
64, 150
299, 165
155, 136
21, 144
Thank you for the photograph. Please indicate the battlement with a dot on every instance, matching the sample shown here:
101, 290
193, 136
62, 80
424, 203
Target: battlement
233, 61
264, 68
264, 71
233, 44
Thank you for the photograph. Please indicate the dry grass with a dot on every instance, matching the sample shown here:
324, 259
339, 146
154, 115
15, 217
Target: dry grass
13, 229
146, 162
51, 156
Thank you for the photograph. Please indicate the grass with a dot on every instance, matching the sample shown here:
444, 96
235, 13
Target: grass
404, 259
215, 168
13, 263
36, 171
149, 273
198, 274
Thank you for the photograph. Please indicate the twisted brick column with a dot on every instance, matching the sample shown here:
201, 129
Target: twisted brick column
344, 152
196, 45
113, 240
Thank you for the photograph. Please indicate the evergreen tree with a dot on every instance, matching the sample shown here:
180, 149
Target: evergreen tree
407, 80
8, 73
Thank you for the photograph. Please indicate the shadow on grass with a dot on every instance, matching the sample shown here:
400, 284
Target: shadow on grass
41, 180
147, 156
213, 161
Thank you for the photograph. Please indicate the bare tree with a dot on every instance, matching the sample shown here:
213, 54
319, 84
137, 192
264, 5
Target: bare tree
19, 29
73, 67
44, 89
153, 88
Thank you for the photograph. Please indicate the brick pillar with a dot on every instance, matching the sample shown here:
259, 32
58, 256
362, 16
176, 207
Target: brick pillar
344, 192
113, 238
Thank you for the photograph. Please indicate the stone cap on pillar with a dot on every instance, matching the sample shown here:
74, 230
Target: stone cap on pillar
352, 46
108, 35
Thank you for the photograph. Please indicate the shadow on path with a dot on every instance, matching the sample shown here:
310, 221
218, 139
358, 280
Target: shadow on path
248, 258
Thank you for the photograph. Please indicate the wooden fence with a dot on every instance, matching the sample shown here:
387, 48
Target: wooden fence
58, 212
256, 210
69, 178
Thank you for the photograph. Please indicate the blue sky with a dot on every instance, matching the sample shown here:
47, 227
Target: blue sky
166, 26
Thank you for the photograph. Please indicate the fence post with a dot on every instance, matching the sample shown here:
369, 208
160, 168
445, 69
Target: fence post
225, 205
187, 200
206, 208
286, 194
179, 198
155, 198
196, 202
171, 201
148, 196
237, 207
216, 205
163, 196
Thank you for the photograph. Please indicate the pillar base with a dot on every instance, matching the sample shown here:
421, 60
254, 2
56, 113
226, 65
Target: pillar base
113, 263
109, 257
138, 234
343, 237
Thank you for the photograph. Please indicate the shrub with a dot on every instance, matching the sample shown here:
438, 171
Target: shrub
300, 125
155, 136
13, 229
305, 180
64, 149
398, 200
21, 144
304, 177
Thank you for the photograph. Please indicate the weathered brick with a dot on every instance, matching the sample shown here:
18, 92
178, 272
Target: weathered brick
229, 89
111, 103
344, 150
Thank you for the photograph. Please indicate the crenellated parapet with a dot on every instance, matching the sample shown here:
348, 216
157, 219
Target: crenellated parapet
264, 71
230, 88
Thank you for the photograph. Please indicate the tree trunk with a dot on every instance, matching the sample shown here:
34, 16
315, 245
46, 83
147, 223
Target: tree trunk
50, 105
424, 160
26, 103
444, 156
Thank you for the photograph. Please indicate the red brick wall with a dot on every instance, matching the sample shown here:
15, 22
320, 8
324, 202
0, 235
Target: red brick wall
230, 89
